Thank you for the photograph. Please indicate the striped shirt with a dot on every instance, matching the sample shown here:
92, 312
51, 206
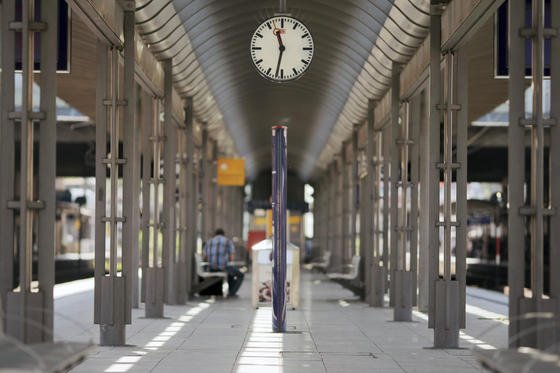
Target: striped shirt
218, 250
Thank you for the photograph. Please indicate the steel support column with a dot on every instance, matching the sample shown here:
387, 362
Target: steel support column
151, 197
354, 192
425, 225
433, 157
131, 171
190, 214
413, 119
554, 159
146, 117
539, 208
331, 220
26, 312
7, 159
372, 219
345, 205
181, 214
384, 161
447, 316
212, 188
169, 188
516, 174
203, 186
112, 301
401, 230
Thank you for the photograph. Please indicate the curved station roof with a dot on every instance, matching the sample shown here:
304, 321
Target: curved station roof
356, 43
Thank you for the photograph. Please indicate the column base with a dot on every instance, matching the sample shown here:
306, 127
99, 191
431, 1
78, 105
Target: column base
171, 284
181, 281
403, 296
446, 324
377, 295
112, 335
154, 293
541, 330
26, 325
112, 325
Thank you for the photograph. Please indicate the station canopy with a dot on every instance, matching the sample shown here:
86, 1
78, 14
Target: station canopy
356, 43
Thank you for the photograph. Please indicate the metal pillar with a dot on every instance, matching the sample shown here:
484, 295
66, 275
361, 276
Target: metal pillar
7, 155
190, 214
211, 175
334, 218
146, 117
169, 188
203, 186
151, 194
318, 222
279, 196
447, 295
433, 159
375, 281
26, 312
112, 299
221, 206
331, 211
424, 219
413, 121
384, 159
354, 192
554, 157
340, 213
541, 329
131, 170
401, 230
345, 202
182, 270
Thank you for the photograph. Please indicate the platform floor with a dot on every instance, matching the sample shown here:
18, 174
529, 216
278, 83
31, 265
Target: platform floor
332, 332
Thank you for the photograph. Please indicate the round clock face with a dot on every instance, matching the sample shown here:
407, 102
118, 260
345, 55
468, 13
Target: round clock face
282, 48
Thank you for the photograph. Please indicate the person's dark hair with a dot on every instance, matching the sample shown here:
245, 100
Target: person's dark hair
220, 232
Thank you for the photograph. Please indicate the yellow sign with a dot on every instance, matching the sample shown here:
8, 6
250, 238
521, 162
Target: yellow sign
231, 172
293, 220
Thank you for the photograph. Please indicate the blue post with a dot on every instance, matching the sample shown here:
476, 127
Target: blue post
279, 187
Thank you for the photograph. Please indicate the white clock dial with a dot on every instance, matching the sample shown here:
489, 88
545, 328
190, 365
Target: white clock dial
282, 48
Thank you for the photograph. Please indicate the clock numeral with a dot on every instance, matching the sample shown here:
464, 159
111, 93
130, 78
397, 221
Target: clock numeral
304, 48
281, 22
282, 73
268, 71
269, 27
304, 35
259, 35
305, 62
259, 61
295, 26
295, 71
259, 48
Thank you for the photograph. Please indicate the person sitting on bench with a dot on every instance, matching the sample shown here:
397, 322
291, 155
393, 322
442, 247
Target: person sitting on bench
218, 252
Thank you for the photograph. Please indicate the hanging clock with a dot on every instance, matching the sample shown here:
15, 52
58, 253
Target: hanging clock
282, 48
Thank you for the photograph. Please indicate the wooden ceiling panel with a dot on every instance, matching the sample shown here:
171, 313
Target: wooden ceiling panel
78, 87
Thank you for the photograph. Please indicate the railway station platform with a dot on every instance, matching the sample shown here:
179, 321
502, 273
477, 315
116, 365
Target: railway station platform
333, 331
409, 148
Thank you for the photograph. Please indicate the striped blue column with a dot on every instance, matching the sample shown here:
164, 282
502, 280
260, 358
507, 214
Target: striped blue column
279, 188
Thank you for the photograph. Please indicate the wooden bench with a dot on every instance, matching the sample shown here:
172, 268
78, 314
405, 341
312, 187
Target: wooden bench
208, 278
350, 280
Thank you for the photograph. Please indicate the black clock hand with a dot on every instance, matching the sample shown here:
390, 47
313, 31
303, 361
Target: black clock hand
279, 60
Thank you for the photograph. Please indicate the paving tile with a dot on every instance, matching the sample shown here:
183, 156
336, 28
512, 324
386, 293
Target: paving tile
331, 332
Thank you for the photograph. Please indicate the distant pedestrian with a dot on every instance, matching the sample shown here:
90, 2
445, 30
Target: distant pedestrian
219, 252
